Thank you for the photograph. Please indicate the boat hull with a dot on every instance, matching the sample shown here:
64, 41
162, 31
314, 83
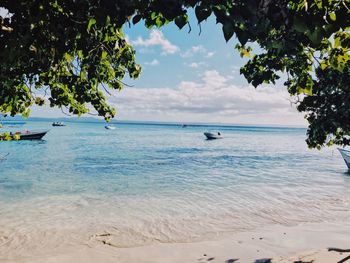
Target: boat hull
346, 156
29, 135
212, 136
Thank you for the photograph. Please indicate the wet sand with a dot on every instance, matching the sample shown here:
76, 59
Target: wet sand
305, 243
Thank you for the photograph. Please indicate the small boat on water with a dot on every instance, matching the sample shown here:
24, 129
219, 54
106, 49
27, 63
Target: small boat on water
346, 156
109, 127
213, 135
58, 124
28, 135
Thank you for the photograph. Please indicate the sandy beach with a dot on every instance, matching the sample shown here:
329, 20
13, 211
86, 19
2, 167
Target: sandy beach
302, 243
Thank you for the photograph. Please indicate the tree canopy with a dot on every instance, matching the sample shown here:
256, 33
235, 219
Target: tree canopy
74, 51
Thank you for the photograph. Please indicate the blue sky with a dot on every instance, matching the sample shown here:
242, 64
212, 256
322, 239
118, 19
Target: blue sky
192, 77
206, 50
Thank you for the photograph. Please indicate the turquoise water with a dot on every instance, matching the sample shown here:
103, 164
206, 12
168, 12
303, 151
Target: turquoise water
161, 183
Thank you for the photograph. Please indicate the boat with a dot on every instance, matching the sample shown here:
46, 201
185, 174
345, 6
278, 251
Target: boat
213, 135
58, 124
346, 156
184, 125
110, 127
28, 135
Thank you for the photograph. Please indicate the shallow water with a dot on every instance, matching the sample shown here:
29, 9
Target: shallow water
141, 184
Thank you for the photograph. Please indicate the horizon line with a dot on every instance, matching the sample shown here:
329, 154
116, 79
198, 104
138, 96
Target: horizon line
96, 120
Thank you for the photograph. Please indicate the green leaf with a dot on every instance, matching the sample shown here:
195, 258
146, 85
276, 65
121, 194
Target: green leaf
136, 19
228, 30
104, 54
159, 22
26, 113
202, 13
337, 42
316, 36
149, 23
242, 37
92, 22
67, 57
333, 16
299, 25
245, 52
154, 15
181, 21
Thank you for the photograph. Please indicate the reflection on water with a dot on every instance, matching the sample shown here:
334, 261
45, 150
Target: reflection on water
147, 183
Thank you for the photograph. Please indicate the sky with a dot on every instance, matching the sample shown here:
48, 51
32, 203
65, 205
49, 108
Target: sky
190, 77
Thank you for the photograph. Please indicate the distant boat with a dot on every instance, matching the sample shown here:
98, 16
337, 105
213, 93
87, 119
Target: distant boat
213, 135
110, 127
184, 125
346, 156
28, 135
58, 124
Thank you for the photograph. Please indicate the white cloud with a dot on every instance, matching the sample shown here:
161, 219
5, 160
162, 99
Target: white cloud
154, 62
235, 69
210, 99
210, 54
195, 64
197, 50
156, 38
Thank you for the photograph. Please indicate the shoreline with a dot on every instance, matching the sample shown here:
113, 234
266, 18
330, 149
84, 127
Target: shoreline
304, 242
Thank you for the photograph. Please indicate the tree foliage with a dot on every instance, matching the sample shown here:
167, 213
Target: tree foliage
328, 108
75, 50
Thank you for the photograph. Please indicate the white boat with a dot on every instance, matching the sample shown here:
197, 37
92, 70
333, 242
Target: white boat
213, 135
110, 127
346, 156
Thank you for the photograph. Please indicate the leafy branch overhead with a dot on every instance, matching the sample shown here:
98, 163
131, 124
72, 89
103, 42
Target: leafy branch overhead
74, 51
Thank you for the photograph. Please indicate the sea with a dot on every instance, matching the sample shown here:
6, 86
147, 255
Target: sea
143, 184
